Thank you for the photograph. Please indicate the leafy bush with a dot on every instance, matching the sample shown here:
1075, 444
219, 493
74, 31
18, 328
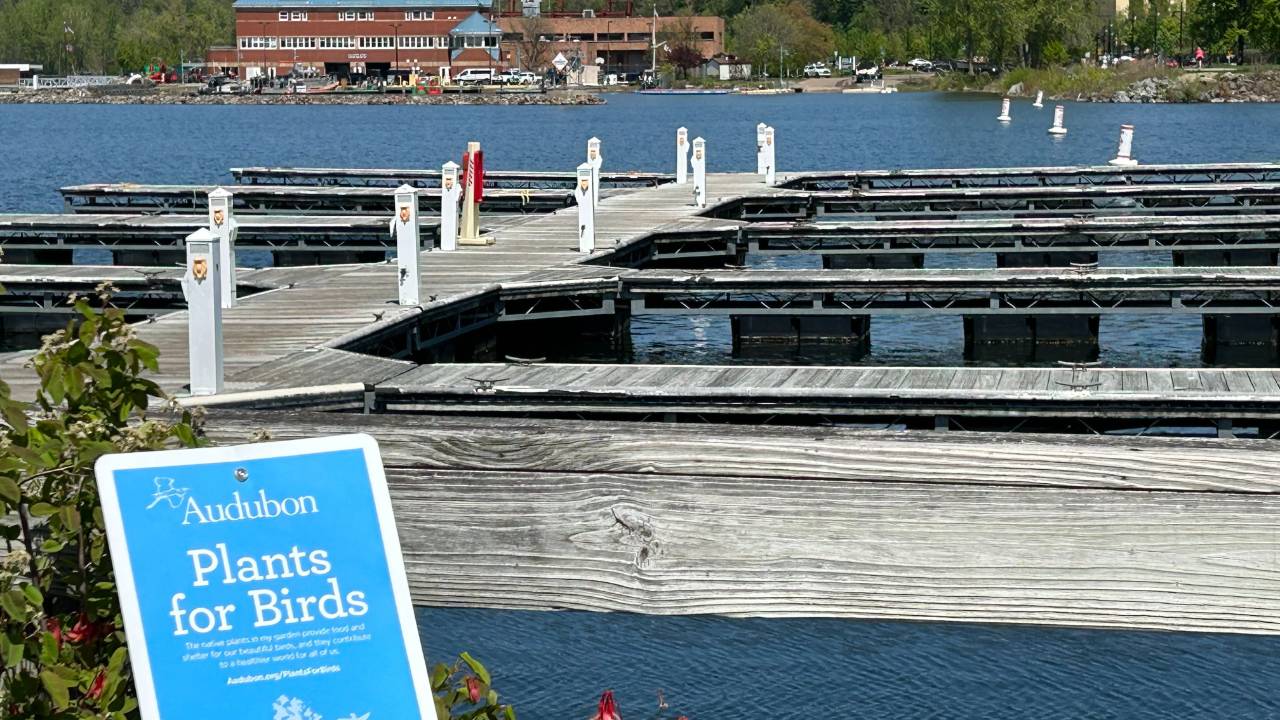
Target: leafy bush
61, 634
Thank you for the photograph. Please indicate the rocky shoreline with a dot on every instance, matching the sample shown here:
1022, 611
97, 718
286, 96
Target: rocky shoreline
1222, 87
149, 96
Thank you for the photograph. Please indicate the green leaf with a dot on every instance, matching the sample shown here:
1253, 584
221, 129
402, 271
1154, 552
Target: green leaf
439, 676
12, 652
16, 416
70, 518
185, 434
9, 490
476, 667
15, 604
42, 509
48, 648
510, 711
57, 688
33, 595
492, 697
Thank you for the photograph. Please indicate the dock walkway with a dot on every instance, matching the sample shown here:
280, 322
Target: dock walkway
320, 305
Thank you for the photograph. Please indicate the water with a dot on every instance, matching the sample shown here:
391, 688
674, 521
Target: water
553, 665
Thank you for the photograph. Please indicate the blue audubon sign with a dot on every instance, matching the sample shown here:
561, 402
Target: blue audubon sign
264, 581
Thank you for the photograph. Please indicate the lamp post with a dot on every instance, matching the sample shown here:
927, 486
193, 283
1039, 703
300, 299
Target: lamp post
262, 37
395, 69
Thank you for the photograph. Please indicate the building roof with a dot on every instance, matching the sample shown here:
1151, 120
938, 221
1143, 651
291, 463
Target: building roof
476, 24
355, 4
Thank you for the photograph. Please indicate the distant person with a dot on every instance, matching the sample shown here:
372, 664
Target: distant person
1199, 57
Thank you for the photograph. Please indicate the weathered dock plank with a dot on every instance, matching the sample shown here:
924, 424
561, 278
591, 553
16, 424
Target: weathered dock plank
1133, 533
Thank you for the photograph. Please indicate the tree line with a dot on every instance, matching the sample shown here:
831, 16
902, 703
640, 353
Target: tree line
107, 36
111, 36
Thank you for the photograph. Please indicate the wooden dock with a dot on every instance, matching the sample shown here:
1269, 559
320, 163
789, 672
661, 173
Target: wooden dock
1036, 176
353, 306
749, 497
290, 199
1130, 533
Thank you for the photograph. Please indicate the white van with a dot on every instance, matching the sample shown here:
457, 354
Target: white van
475, 76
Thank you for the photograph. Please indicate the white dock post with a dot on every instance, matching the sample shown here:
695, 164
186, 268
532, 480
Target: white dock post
584, 193
404, 226
1039, 103
595, 159
760, 148
450, 191
700, 172
1004, 111
202, 286
1058, 128
682, 156
222, 222
770, 156
1124, 157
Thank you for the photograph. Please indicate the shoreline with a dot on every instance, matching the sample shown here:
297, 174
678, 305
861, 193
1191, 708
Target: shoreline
159, 97
1139, 84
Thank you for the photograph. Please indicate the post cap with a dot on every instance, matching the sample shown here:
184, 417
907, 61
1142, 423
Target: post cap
585, 167
406, 189
595, 140
761, 126
219, 193
451, 165
203, 235
699, 141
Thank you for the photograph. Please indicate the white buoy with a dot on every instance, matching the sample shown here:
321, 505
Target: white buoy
450, 192
404, 227
1058, 128
770, 156
202, 286
682, 156
699, 172
222, 222
1124, 156
595, 159
1004, 111
760, 148
1039, 103
585, 195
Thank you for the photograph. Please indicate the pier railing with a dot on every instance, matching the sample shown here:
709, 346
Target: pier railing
71, 81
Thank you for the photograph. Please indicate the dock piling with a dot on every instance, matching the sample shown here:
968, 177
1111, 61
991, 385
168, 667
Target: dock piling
595, 159
682, 156
585, 195
1058, 128
222, 222
450, 191
700, 172
405, 228
1004, 111
770, 157
1039, 103
202, 286
1124, 156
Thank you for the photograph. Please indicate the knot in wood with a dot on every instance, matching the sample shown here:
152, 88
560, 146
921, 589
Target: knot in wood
638, 531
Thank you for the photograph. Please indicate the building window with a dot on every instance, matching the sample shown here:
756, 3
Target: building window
638, 37
377, 42
423, 42
336, 43
356, 15
294, 16
478, 41
708, 35
257, 43
419, 15
298, 43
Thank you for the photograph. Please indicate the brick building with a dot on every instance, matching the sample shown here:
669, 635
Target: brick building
359, 38
354, 39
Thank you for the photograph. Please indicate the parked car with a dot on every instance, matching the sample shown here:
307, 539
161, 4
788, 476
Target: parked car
869, 72
920, 64
475, 76
817, 70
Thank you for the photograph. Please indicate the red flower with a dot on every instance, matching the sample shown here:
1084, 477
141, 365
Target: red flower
55, 627
608, 709
473, 689
86, 632
95, 690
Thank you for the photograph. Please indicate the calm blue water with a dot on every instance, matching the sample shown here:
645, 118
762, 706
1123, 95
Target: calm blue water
553, 665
